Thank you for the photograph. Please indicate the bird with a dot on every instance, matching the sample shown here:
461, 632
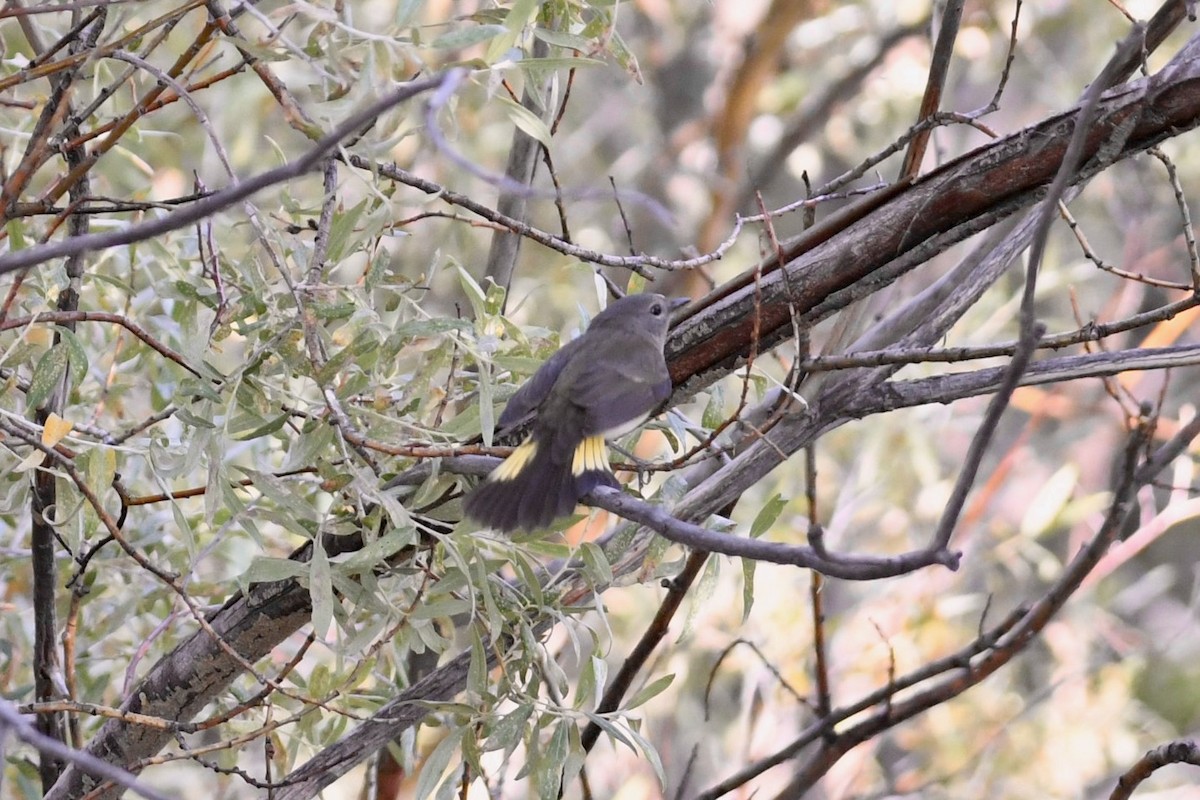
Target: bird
599, 386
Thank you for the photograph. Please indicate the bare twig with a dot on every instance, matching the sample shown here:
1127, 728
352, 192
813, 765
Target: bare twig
656, 631
49, 747
518, 172
971, 665
1185, 214
66, 317
207, 206
857, 568
1183, 751
935, 83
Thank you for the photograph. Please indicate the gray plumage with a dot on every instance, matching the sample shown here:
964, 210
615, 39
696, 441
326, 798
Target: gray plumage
602, 384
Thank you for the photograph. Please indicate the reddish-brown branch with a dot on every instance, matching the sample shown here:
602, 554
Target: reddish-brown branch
939, 68
1184, 751
656, 631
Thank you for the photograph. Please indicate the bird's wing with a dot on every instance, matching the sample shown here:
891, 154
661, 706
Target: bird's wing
613, 393
523, 405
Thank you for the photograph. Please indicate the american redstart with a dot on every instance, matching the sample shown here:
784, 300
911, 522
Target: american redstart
599, 386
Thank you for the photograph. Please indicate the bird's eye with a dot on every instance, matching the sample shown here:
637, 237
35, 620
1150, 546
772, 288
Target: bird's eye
656, 309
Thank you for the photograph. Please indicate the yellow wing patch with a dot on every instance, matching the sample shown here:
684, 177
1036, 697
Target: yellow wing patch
515, 463
590, 456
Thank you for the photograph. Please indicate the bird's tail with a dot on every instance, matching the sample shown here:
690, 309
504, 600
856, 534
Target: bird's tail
536, 484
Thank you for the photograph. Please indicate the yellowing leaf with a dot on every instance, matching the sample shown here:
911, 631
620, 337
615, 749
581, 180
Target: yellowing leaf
55, 429
39, 335
1045, 507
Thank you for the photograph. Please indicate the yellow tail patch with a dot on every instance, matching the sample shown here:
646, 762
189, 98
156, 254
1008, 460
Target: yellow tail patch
512, 466
590, 456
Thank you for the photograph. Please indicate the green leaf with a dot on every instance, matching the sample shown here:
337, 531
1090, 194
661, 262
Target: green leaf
428, 637
446, 606
188, 291
529, 64
463, 425
47, 375
98, 465
340, 231
267, 53
283, 494
551, 761
507, 733
596, 562
494, 300
518, 365
570, 41
188, 418
626, 58
705, 588
517, 17
714, 410
653, 689
477, 671
767, 516
320, 588
555, 676
420, 328
480, 575
435, 765
376, 551
197, 388
264, 428
749, 565
472, 760
16, 235
611, 729
314, 443
184, 527
593, 679
487, 411
651, 755
78, 359
474, 292
575, 756
269, 570
465, 37
521, 14
526, 120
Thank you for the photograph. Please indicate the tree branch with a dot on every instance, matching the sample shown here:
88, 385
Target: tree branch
217, 201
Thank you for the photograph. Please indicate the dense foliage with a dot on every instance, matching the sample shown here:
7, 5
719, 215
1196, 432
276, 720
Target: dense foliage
270, 270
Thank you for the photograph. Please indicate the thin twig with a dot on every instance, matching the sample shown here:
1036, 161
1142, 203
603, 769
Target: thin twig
935, 83
656, 631
10, 720
217, 201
